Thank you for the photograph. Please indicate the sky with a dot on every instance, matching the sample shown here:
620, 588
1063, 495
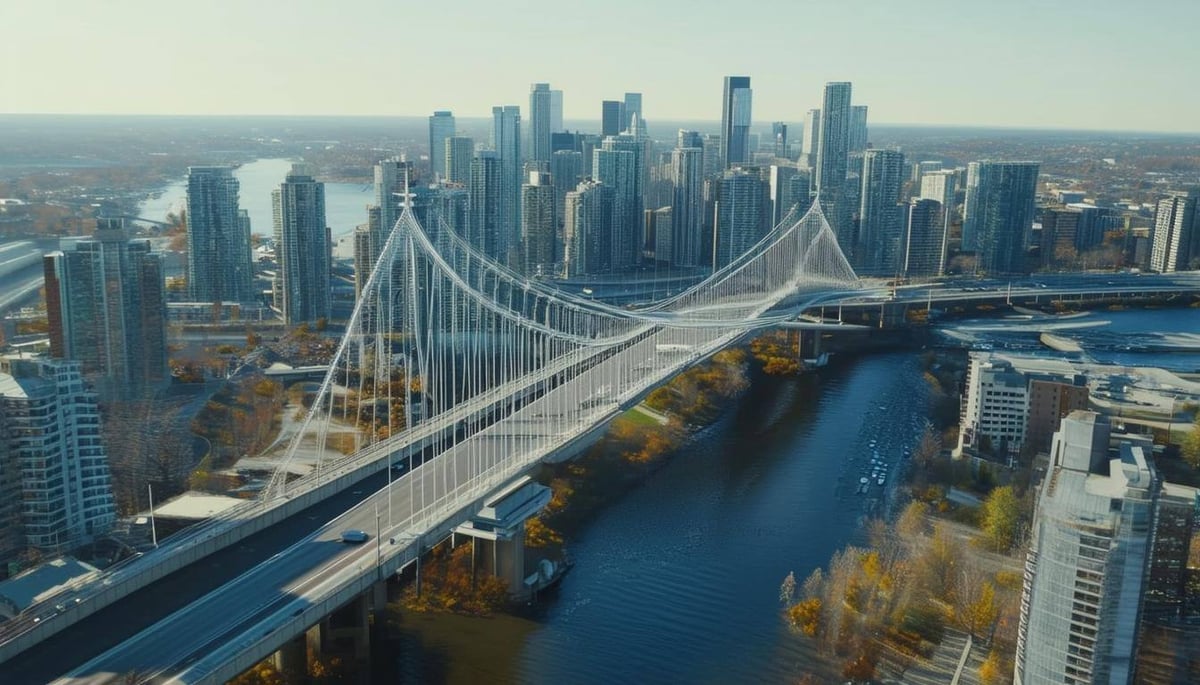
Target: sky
1080, 64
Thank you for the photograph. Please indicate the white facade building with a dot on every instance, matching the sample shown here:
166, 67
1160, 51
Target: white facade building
995, 406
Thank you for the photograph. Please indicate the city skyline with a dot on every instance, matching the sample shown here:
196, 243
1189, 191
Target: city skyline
987, 83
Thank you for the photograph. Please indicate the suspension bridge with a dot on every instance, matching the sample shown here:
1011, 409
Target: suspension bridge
475, 373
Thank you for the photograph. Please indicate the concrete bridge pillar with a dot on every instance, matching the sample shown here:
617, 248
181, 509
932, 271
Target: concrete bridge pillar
292, 660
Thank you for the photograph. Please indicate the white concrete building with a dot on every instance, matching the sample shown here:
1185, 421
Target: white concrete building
995, 406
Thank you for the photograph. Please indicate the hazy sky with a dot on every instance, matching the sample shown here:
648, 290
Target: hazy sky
1113, 64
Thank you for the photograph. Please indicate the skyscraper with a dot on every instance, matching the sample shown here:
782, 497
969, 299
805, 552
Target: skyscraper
879, 248
998, 214
389, 184
925, 253
833, 142
459, 152
538, 225
107, 310
485, 188
743, 212
940, 186
610, 117
506, 140
219, 267
659, 232
631, 111
441, 127
302, 285
588, 229
779, 138
541, 105
556, 111
782, 191
858, 128
811, 140
65, 488
1087, 564
735, 121
617, 169
1175, 240
686, 138
687, 179
566, 171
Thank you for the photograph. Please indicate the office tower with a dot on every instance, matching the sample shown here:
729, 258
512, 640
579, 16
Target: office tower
1087, 564
1175, 240
556, 111
941, 186
302, 286
833, 142
811, 139
735, 121
566, 140
451, 207
618, 170
743, 212
779, 139
390, 175
685, 138
538, 225
687, 180
363, 262
712, 155
858, 128
106, 307
783, 190
506, 141
659, 234
1060, 228
610, 117
540, 121
441, 127
54, 424
998, 214
566, 171
459, 152
631, 111
925, 253
880, 248
218, 239
588, 229
485, 188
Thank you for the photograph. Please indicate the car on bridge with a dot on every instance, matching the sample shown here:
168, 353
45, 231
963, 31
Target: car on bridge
354, 537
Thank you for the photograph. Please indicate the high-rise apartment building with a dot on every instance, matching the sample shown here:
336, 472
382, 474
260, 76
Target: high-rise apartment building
617, 169
506, 141
302, 249
441, 127
926, 166
880, 223
539, 225
685, 138
735, 121
687, 181
50, 427
1175, 240
610, 117
743, 212
998, 214
659, 233
485, 189
1087, 564
941, 186
390, 177
995, 406
833, 142
459, 151
925, 254
106, 307
811, 138
218, 238
783, 189
588, 229
541, 106
566, 171
858, 128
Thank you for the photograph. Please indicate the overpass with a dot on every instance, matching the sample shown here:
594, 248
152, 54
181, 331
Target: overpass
453, 362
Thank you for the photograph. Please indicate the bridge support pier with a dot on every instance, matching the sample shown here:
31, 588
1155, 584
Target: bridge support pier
292, 659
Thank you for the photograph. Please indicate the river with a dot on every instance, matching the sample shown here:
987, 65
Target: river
678, 580
345, 203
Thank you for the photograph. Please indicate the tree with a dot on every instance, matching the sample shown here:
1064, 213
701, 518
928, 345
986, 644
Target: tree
805, 616
990, 671
980, 613
912, 522
787, 589
1001, 519
1190, 445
